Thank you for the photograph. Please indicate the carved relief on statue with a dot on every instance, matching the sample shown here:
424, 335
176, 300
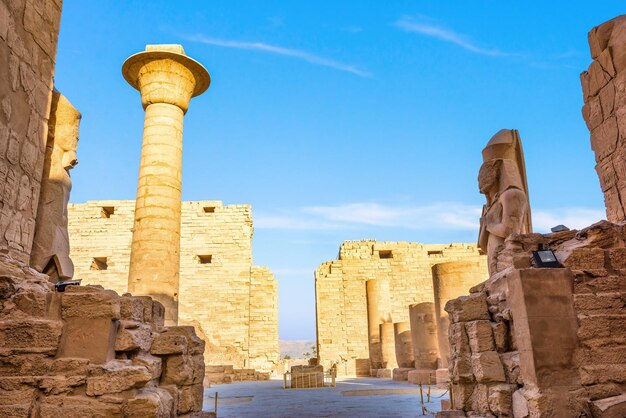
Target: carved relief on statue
50, 253
502, 179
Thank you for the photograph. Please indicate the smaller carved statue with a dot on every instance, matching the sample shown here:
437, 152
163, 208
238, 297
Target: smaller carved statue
51, 247
502, 179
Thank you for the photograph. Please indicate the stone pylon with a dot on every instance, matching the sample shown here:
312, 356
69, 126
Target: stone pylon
167, 80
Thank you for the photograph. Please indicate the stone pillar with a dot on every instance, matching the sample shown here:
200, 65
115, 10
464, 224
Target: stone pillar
451, 280
388, 346
424, 335
404, 345
167, 80
378, 309
605, 104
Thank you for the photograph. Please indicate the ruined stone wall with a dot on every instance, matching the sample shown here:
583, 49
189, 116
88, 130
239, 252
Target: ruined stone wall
216, 278
604, 93
264, 350
341, 300
28, 43
544, 342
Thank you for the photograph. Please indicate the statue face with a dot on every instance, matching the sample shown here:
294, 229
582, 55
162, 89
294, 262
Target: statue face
488, 177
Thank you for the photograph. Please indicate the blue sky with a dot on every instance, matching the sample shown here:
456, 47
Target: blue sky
343, 120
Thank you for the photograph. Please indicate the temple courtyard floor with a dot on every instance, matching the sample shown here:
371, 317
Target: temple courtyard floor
357, 397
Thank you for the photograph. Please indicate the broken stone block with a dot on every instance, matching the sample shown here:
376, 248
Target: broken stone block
614, 407
479, 400
461, 367
151, 363
480, 336
29, 336
77, 406
520, 404
116, 376
459, 341
31, 303
177, 370
158, 314
487, 367
133, 336
131, 308
421, 377
468, 308
401, 374
17, 395
500, 336
25, 365
157, 403
501, 399
461, 394
90, 338
89, 302
190, 398
56, 385
510, 362
166, 344
195, 344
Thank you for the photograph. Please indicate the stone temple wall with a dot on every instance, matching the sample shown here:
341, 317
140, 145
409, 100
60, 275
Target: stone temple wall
86, 351
28, 43
604, 93
341, 299
232, 304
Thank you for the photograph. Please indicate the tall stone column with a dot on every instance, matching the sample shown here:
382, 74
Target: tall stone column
378, 311
424, 335
404, 345
451, 280
167, 80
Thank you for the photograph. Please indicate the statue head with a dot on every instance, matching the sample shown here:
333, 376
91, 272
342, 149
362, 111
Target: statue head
63, 129
488, 176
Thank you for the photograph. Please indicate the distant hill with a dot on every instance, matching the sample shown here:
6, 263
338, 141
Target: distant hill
296, 348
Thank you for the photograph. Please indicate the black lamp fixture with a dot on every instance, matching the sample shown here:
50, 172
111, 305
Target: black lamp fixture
545, 258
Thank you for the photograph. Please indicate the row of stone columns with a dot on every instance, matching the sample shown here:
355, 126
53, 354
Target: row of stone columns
422, 342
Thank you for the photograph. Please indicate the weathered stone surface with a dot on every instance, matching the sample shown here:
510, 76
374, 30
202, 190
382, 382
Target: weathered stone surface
150, 403
29, 336
487, 367
85, 302
614, 407
480, 336
133, 337
401, 374
468, 308
77, 406
501, 400
519, 404
190, 399
90, 338
116, 376
132, 308
151, 363
177, 370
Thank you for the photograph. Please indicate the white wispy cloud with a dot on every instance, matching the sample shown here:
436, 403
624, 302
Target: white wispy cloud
432, 30
437, 216
278, 50
573, 218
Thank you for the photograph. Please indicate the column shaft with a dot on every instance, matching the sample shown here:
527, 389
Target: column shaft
155, 250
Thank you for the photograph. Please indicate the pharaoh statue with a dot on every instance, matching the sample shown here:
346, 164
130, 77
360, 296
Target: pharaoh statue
51, 247
502, 179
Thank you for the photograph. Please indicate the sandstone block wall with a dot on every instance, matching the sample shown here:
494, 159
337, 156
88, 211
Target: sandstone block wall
547, 342
232, 304
341, 300
604, 93
90, 352
28, 42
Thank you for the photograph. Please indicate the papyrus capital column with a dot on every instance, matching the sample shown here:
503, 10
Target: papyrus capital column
167, 80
